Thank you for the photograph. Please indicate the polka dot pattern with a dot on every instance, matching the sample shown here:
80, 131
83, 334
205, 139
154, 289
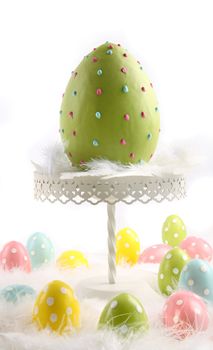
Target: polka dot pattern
197, 248
154, 253
127, 247
15, 256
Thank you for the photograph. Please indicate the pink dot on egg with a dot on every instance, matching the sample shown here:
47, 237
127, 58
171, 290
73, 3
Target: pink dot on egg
110, 47
185, 313
123, 142
99, 92
70, 114
155, 253
197, 247
142, 115
124, 70
126, 117
94, 59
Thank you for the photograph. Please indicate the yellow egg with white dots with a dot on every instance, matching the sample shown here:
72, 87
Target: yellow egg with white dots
127, 246
71, 259
56, 308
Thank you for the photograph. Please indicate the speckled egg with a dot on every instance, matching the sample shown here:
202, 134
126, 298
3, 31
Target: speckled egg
124, 314
71, 259
127, 246
17, 292
154, 254
170, 269
173, 231
109, 109
197, 277
56, 308
40, 249
197, 248
15, 255
184, 313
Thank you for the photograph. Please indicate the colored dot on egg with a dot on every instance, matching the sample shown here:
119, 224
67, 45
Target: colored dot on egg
109, 52
95, 142
132, 155
99, 92
149, 136
125, 55
151, 85
74, 133
142, 115
74, 93
60, 112
70, 114
124, 70
94, 59
141, 68
62, 130
126, 117
143, 89
99, 72
123, 142
156, 109
125, 89
98, 115
110, 47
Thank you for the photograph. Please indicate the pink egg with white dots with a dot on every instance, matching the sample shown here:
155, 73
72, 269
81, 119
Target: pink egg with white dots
15, 256
185, 313
197, 248
154, 254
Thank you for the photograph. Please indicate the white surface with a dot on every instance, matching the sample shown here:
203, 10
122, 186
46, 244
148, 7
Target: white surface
41, 43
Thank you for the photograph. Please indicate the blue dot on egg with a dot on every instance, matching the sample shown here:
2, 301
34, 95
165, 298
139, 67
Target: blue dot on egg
109, 52
74, 93
95, 142
98, 115
99, 72
125, 89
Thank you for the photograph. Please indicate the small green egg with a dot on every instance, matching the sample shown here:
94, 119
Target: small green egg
173, 231
170, 270
124, 314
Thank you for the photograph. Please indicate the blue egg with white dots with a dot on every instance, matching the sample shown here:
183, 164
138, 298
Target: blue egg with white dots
197, 277
16, 292
41, 250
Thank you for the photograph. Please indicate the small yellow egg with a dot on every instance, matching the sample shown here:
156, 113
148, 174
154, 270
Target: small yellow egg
71, 259
127, 246
56, 308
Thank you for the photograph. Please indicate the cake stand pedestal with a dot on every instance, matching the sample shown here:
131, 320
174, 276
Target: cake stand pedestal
94, 189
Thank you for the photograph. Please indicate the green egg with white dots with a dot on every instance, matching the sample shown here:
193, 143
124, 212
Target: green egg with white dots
109, 109
124, 314
170, 270
173, 231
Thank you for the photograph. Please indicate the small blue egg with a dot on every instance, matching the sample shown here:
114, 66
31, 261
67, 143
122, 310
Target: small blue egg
40, 249
197, 277
14, 293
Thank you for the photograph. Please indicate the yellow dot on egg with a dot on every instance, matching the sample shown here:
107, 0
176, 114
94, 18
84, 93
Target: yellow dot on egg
127, 246
71, 259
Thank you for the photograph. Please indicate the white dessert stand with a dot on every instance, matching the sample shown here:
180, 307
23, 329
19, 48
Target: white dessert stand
95, 189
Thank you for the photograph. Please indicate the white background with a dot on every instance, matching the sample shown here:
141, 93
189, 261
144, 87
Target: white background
41, 42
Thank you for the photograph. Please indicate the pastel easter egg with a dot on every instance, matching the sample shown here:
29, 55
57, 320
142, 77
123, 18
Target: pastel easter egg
127, 246
154, 254
71, 259
173, 231
109, 98
170, 269
124, 314
184, 313
197, 277
15, 255
197, 248
56, 308
17, 292
40, 249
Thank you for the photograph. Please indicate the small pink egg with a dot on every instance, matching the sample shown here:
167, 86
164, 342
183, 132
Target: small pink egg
15, 255
154, 254
185, 313
197, 248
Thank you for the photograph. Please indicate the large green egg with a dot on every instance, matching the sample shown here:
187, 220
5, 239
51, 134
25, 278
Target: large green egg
124, 314
109, 109
173, 231
170, 270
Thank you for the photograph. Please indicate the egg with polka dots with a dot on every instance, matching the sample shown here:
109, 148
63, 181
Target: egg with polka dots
154, 254
15, 256
173, 231
127, 247
57, 309
40, 249
109, 98
184, 313
170, 269
125, 315
197, 277
16, 293
71, 259
197, 247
